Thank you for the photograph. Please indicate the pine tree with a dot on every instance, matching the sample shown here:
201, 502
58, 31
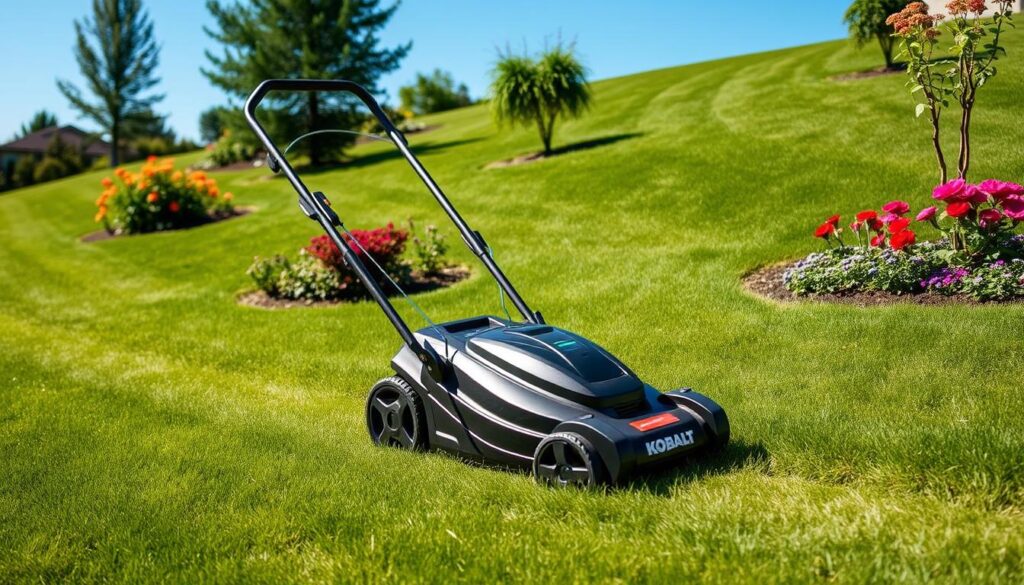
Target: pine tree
119, 67
39, 121
316, 39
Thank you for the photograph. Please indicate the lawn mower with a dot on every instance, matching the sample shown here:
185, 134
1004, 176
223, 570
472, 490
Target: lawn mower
500, 391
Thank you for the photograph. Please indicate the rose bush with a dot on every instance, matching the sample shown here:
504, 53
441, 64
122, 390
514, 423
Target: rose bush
979, 253
159, 197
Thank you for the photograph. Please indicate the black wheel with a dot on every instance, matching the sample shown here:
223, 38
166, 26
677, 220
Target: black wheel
394, 415
567, 459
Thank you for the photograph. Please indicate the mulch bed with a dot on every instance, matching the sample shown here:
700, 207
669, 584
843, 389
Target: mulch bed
519, 160
99, 236
767, 282
420, 283
869, 74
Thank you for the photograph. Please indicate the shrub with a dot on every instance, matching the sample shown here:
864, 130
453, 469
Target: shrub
159, 198
429, 250
24, 171
436, 92
320, 273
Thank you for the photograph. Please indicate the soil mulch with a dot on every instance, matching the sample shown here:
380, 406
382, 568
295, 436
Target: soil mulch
767, 283
519, 160
420, 283
99, 236
869, 74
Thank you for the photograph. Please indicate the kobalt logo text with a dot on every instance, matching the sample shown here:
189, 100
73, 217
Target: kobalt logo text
670, 442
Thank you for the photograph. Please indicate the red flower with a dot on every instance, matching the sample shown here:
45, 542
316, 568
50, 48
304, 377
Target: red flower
898, 225
902, 239
896, 207
867, 215
174, 207
958, 209
825, 230
878, 241
990, 218
876, 224
855, 226
834, 220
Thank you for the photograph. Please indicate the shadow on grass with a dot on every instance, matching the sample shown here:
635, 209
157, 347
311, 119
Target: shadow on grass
574, 147
383, 156
736, 456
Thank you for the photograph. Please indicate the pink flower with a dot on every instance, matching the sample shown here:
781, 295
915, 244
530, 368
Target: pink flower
974, 195
889, 218
1013, 207
1000, 189
951, 191
926, 213
897, 207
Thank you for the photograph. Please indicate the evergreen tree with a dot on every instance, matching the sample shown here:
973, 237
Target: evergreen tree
39, 121
434, 93
317, 39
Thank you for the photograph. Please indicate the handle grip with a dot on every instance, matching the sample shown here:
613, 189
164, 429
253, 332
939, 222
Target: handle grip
331, 85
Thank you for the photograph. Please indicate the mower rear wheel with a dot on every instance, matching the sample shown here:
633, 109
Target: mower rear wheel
394, 415
567, 459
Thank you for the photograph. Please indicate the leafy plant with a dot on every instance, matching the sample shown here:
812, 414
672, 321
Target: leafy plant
159, 198
433, 93
429, 249
956, 73
527, 91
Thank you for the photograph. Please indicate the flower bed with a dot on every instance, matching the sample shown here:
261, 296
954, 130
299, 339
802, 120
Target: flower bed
320, 275
979, 256
158, 198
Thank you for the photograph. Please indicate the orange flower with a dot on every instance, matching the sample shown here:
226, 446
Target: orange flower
151, 158
147, 172
106, 182
197, 176
102, 200
214, 191
152, 197
228, 196
101, 213
174, 207
177, 176
143, 184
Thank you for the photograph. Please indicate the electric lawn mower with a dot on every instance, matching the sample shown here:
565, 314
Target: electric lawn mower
522, 394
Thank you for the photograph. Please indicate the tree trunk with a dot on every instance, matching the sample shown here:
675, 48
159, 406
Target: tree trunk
885, 42
314, 123
545, 135
964, 161
115, 143
937, 144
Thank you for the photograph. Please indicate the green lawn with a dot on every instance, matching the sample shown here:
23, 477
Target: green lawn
153, 430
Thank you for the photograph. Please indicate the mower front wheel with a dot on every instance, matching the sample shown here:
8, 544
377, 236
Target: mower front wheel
567, 459
395, 416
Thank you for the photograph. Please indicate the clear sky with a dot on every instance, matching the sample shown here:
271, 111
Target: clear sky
463, 36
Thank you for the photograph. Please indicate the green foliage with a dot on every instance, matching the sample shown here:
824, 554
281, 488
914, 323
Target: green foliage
212, 124
434, 93
306, 278
39, 121
24, 171
527, 91
230, 149
318, 39
429, 249
866, 21
60, 160
118, 55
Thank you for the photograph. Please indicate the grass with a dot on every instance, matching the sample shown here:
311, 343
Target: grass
153, 430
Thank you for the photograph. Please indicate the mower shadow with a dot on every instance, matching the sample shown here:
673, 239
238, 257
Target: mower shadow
736, 456
383, 156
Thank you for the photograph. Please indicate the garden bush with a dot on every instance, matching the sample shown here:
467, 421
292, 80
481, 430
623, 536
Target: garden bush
159, 197
979, 254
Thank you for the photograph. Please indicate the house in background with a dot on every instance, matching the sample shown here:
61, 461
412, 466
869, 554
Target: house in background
36, 143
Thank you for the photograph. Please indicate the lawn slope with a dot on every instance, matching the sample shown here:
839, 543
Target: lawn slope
151, 429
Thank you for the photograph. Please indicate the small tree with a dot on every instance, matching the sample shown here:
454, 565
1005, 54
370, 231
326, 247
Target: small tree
318, 39
527, 91
866, 19
39, 121
940, 79
433, 93
119, 67
212, 124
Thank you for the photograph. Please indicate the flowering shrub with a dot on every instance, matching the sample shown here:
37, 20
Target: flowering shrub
939, 76
320, 272
979, 254
159, 198
429, 250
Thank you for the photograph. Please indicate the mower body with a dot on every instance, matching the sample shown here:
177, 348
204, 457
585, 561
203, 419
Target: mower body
506, 386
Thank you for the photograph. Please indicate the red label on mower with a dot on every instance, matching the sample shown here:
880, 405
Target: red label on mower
654, 422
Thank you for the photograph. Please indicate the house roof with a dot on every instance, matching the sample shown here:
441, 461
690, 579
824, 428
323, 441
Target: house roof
36, 142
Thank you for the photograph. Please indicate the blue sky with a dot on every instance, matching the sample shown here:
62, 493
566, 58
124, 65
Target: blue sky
462, 36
